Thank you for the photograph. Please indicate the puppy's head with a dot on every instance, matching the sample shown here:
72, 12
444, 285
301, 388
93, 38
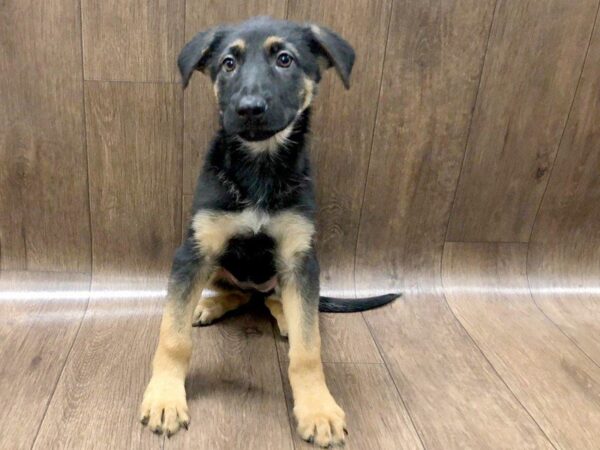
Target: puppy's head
264, 71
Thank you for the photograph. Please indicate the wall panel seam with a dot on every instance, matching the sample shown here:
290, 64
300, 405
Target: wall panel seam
133, 81
485, 242
548, 318
182, 206
280, 362
559, 145
364, 193
389, 372
476, 345
85, 141
466, 146
64, 365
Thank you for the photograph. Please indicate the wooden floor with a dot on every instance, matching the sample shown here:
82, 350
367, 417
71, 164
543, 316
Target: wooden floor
478, 360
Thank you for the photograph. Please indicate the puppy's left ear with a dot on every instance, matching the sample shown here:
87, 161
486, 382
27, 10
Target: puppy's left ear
334, 50
197, 53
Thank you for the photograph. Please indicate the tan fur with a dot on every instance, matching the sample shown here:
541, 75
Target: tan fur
276, 309
307, 93
293, 234
213, 230
216, 90
210, 309
240, 44
318, 415
271, 41
271, 144
164, 406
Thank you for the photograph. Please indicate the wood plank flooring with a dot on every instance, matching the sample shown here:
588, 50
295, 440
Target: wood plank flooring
475, 364
486, 287
40, 314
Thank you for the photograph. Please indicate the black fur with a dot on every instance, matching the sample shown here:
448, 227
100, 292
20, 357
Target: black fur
250, 258
234, 178
331, 304
185, 266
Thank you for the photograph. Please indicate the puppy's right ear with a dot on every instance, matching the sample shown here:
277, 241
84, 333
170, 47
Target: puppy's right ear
197, 53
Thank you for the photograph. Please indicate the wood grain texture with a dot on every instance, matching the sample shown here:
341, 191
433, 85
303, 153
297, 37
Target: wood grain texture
564, 261
375, 416
342, 128
487, 289
97, 398
454, 396
44, 211
134, 146
345, 338
534, 59
235, 392
201, 116
436, 51
132, 40
186, 213
433, 60
40, 314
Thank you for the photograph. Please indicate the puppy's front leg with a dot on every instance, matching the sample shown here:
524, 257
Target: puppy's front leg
164, 407
319, 417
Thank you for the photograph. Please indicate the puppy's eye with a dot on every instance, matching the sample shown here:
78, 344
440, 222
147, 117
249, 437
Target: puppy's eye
284, 60
229, 64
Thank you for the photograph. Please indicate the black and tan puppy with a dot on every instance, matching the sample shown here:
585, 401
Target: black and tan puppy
253, 214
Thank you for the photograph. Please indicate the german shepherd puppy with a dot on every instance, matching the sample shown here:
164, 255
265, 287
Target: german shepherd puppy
254, 213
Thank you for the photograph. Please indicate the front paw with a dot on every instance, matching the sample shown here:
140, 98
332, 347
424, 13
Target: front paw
322, 422
207, 311
164, 408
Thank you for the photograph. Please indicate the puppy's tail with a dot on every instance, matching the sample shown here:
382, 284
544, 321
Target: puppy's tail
342, 305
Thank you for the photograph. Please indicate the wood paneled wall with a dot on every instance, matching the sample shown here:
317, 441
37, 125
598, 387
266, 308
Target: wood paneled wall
467, 121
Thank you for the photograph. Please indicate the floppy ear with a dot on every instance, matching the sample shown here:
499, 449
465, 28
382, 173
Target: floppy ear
334, 50
196, 53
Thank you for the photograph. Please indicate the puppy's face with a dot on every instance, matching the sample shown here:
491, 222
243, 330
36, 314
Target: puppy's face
265, 71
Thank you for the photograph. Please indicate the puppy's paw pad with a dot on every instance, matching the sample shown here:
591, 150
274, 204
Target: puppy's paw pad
325, 426
207, 312
164, 408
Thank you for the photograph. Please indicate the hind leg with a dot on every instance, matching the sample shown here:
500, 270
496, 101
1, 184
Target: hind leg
274, 305
210, 309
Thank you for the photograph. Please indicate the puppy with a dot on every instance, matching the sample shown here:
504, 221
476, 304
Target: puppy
253, 215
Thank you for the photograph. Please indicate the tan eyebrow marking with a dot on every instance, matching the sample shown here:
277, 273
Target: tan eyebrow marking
271, 41
238, 44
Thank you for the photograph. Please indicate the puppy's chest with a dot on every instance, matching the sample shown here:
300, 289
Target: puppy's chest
263, 192
248, 262
284, 235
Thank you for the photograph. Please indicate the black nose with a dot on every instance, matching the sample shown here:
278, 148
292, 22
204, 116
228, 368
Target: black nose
251, 106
